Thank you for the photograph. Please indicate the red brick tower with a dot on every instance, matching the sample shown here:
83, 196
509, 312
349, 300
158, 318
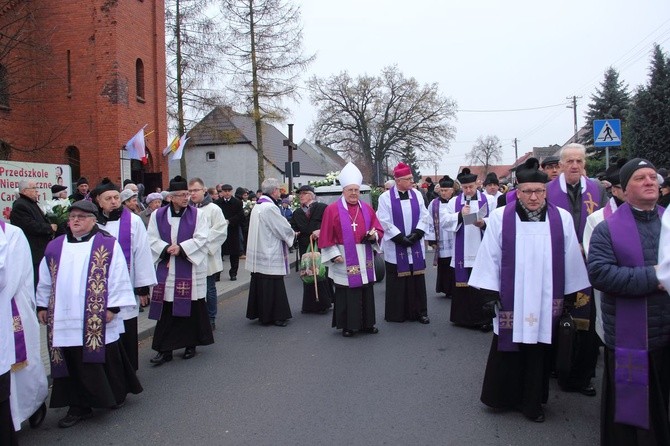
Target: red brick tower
91, 77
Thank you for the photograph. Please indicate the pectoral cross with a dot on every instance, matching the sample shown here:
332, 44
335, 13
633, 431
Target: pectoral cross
354, 225
531, 319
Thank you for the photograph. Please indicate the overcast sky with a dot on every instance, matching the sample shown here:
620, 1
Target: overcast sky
488, 55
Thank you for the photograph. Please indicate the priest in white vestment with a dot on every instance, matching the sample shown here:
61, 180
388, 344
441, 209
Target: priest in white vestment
529, 257
131, 234
83, 285
466, 303
350, 232
270, 236
29, 388
441, 234
405, 220
178, 239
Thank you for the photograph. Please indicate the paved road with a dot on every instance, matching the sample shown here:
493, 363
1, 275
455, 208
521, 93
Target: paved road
307, 385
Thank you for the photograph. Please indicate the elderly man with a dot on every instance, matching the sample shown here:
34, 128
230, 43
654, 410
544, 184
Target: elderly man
27, 215
306, 222
466, 302
550, 166
81, 192
216, 235
29, 386
349, 233
404, 217
580, 196
622, 263
178, 240
84, 283
154, 200
443, 239
58, 192
528, 234
131, 234
270, 235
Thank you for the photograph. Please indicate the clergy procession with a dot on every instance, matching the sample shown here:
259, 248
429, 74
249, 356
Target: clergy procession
565, 270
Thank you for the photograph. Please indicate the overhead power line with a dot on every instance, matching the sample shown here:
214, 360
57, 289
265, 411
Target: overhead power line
562, 104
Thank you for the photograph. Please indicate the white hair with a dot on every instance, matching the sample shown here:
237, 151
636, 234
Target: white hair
268, 186
24, 184
573, 146
389, 183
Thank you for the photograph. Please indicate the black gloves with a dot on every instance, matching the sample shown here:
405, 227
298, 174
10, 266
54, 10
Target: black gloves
491, 301
403, 241
415, 236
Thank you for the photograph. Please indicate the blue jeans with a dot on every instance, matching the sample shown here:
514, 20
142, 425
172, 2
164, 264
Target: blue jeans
211, 297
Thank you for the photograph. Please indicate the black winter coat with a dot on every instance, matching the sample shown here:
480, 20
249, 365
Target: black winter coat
27, 215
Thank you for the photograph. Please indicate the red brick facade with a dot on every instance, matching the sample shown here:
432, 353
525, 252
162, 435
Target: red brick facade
79, 86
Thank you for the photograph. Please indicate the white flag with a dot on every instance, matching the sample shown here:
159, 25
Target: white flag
136, 146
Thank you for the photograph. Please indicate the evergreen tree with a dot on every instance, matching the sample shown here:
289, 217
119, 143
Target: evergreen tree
647, 134
610, 101
409, 157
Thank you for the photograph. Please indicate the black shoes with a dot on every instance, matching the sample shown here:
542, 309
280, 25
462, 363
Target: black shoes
233, 278
538, 419
347, 333
588, 390
486, 328
161, 358
371, 330
424, 320
37, 418
213, 325
189, 352
282, 323
74, 416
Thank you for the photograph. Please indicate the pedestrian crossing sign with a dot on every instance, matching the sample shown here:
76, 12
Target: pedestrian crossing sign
606, 132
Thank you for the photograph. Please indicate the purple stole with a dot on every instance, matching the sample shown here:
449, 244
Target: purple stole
607, 210
19, 335
350, 254
435, 210
510, 196
508, 269
124, 234
183, 271
590, 201
631, 360
459, 249
402, 260
95, 301
284, 246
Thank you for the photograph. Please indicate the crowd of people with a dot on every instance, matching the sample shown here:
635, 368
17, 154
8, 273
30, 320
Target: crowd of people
594, 254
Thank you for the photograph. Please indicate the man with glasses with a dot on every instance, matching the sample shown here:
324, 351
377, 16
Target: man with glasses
550, 166
580, 196
84, 283
404, 218
178, 240
218, 230
27, 215
467, 302
528, 234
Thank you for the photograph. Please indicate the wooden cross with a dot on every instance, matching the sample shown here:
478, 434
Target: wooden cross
531, 319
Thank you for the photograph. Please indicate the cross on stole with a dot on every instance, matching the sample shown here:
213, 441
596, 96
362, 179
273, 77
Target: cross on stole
531, 319
182, 288
628, 366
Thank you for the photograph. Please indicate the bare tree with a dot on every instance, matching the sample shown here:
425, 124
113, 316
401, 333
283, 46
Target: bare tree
25, 69
265, 59
379, 117
194, 53
486, 151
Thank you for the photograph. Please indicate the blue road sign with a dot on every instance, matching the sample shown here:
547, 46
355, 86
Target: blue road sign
606, 132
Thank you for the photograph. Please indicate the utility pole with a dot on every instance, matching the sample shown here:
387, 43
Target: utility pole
574, 113
291, 147
516, 156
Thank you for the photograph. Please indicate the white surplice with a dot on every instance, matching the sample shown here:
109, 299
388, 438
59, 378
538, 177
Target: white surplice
195, 249
385, 216
663, 271
267, 230
473, 235
446, 230
29, 387
71, 284
142, 270
533, 282
217, 234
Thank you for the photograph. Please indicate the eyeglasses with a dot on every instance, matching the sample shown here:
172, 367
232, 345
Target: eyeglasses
79, 216
410, 179
181, 195
537, 192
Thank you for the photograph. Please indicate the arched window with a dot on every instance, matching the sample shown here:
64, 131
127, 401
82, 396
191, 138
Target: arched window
4, 88
73, 159
139, 79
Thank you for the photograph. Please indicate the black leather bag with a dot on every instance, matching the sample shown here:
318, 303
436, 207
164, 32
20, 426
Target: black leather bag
565, 338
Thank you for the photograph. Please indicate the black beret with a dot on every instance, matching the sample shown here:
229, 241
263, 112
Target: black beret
531, 176
177, 183
465, 177
85, 205
491, 178
57, 188
104, 186
446, 181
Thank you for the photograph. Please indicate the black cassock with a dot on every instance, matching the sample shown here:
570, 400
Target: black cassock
306, 224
